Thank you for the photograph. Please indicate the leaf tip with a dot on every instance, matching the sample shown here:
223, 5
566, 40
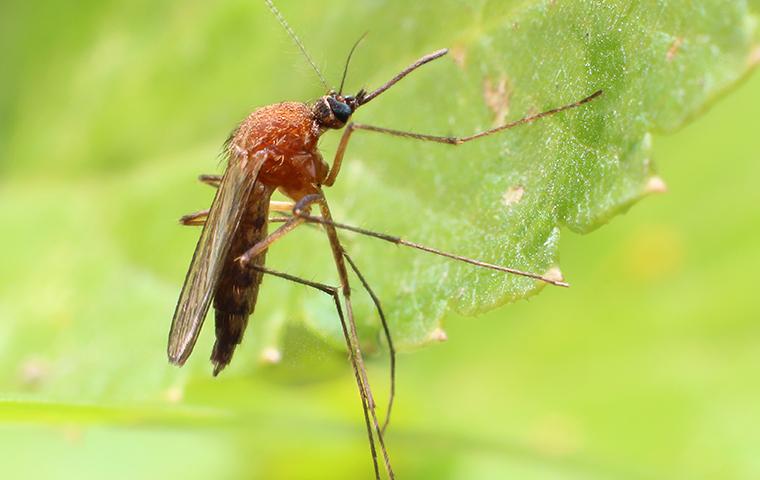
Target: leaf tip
438, 335
554, 276
496, 94
271, 356
673, 50
655, 185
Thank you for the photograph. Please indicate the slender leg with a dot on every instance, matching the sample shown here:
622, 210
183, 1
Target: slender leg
197, 219
388, 338
485, 133
274, 205
338, 160
352, 337
212, 180
301, 208
335, 169
301, 214
424, 248
334, 293
256, 250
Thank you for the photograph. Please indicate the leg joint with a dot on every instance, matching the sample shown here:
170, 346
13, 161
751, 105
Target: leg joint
302, 207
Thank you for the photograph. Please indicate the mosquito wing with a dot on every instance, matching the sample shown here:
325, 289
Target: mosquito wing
210, 253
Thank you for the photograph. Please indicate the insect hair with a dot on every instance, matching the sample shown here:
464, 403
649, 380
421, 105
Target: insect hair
297, 41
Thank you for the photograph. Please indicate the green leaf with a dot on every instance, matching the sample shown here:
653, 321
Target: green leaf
505, 199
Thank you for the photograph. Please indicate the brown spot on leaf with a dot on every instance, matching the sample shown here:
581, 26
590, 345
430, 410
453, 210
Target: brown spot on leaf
673, 50
459, 54
496, 95
513, 195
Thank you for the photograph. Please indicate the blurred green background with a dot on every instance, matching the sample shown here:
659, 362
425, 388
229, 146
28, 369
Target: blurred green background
646, 368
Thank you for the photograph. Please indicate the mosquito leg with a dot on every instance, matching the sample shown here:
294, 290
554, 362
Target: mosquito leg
425, 248
364, 394
334, 293
364, 97
212, 180
331, 290
260, 247
195, 219
301, 208
352, 337
338, 160
484, 133
351, 127
388, 338
276, 206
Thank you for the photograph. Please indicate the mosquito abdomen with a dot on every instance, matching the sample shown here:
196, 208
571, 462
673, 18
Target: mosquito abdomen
238, 288
229, 333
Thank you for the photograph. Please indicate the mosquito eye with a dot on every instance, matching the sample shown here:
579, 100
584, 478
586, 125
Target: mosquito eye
341, 110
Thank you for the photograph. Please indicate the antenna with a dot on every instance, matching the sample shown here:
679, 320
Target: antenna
297, 41
348, 61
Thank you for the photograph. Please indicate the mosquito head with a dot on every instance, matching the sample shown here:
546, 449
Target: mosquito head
334, 110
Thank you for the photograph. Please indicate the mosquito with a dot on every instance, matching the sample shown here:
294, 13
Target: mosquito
275, 148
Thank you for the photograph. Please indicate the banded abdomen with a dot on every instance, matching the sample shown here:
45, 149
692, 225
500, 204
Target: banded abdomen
238, 287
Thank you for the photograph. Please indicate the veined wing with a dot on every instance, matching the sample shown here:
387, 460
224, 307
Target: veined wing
210, 253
